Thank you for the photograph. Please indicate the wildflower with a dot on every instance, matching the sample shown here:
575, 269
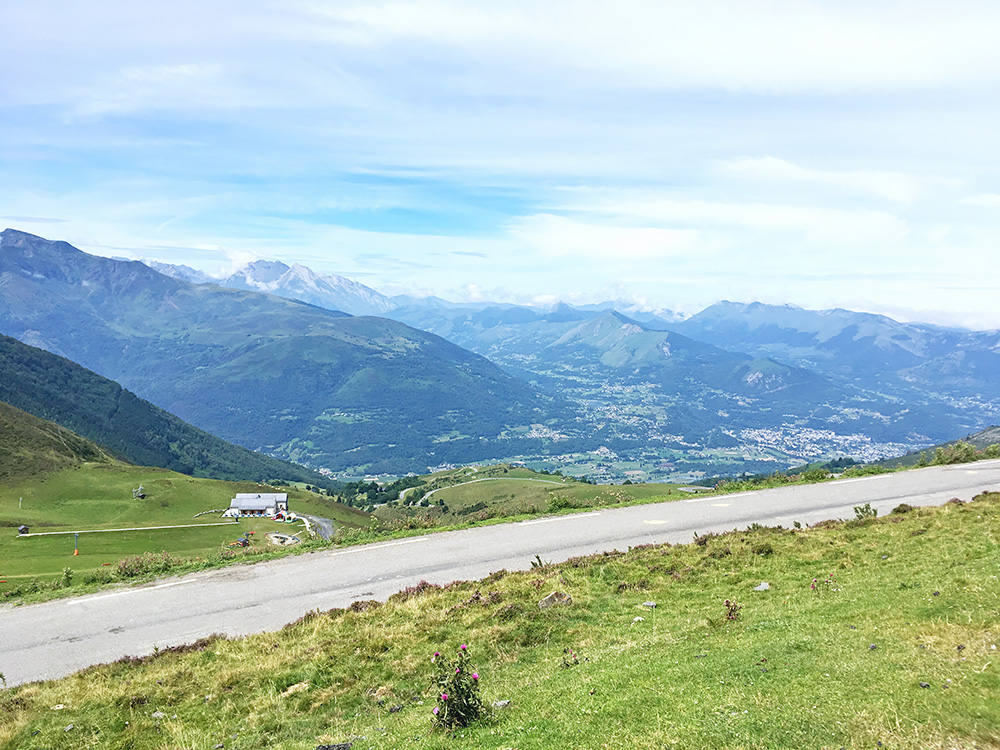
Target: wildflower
436, 710
475, 675
462, 647
457, 670
444, 696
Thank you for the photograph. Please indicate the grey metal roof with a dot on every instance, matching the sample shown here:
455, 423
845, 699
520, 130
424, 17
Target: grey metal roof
258, 500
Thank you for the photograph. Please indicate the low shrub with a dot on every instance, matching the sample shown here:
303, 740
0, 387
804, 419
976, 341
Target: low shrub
865, 512
959, 453
413, 522
101, 575
145, 564
865, 470
411, 591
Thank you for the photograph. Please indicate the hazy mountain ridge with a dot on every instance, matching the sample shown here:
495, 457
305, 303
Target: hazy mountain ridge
751, 385
584, 354
296, 282
301, 283
872, 350
676, 404
732, 374
304, 383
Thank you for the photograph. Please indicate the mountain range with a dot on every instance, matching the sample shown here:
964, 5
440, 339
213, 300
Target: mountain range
656, 377
872, 350
268, 358
294, 282
290, 379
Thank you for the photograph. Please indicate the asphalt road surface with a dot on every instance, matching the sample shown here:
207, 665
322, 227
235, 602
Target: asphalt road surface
53, 639
322, 526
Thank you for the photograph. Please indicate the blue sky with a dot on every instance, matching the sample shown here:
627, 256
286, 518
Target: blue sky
816, 153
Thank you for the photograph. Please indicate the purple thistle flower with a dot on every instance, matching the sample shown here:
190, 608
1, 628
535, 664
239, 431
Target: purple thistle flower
462, 647
436, 709
444, 696
475, 675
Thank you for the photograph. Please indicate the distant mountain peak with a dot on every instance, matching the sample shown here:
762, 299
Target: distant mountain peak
563, 313
625, 319
180, 272
301, 283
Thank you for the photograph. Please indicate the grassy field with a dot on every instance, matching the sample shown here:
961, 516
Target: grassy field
481, 493
99, 496
879, 633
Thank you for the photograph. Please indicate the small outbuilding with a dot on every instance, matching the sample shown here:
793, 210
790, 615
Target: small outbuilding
258, 504
22, 530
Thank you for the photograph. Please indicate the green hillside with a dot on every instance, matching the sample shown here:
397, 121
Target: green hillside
55, 389
95, 496
479, 493
879, 633
30, 446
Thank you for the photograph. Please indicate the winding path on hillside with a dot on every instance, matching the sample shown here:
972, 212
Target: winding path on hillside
40, 641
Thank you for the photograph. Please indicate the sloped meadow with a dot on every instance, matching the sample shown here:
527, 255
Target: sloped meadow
871, 633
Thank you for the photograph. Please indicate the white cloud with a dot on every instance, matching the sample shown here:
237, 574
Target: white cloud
987, 200
564, 237
822, 225
154, 87
893, 186
714, 148
759, 45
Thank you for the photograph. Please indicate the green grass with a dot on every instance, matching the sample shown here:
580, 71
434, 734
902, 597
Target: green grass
795, 669
484, 493
32, 556
30, 446
99, 496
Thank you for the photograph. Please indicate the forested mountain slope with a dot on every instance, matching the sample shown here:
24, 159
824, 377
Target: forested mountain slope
55, 389
291, 379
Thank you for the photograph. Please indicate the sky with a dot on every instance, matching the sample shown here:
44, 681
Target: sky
841, 153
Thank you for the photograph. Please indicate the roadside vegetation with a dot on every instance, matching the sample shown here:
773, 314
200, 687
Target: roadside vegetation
875, 632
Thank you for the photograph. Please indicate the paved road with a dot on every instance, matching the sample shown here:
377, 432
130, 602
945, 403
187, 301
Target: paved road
57, 638
322, 526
